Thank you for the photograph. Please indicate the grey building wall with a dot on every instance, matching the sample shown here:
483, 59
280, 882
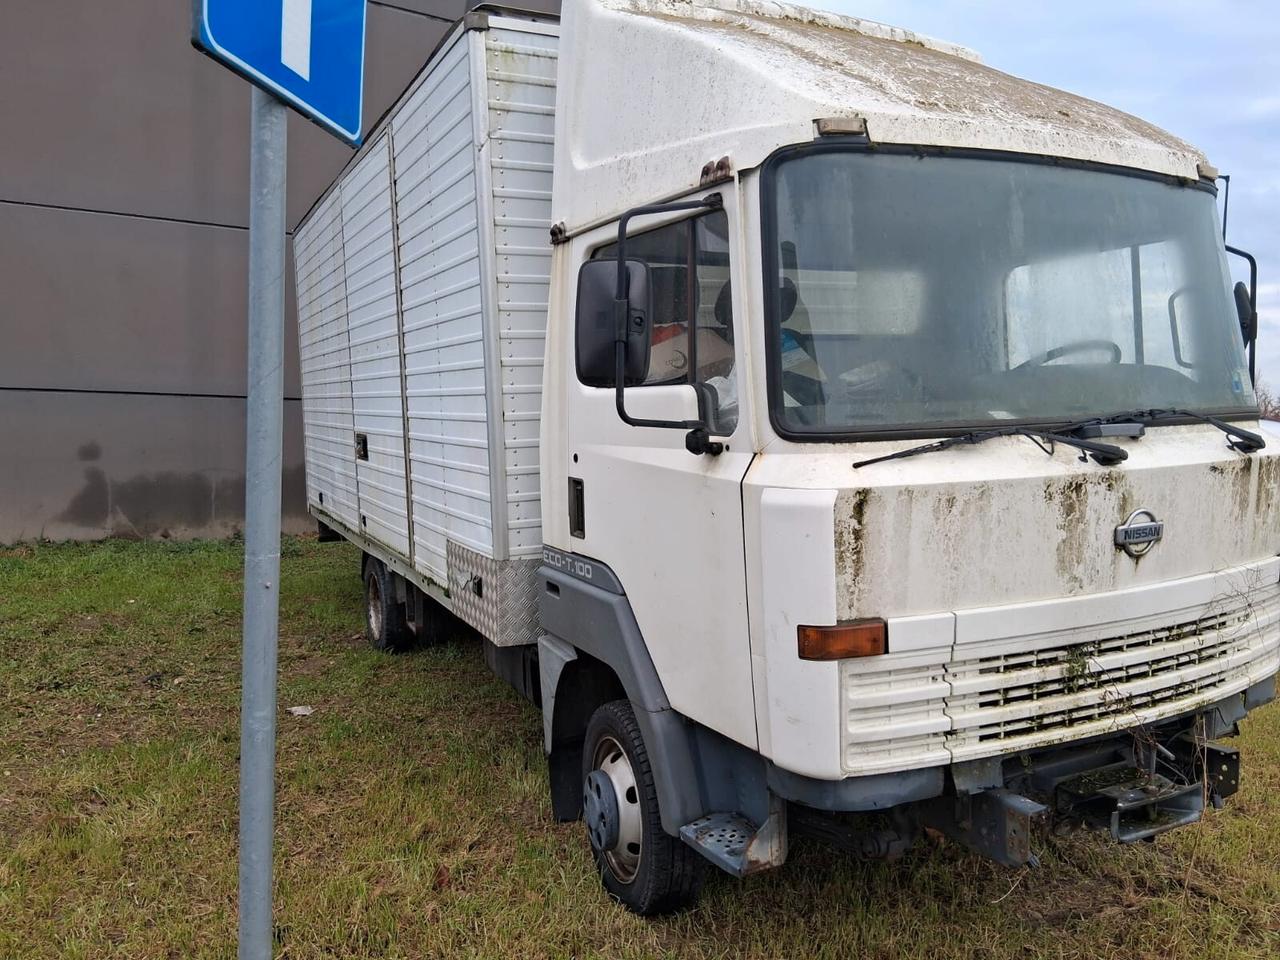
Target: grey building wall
123, 245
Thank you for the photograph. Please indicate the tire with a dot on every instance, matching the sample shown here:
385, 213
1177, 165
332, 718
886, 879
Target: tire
641, 866
384, 620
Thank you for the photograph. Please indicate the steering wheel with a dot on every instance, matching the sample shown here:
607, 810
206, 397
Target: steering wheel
1076, 346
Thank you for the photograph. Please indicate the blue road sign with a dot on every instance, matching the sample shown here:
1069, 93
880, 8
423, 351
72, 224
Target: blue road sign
309, 53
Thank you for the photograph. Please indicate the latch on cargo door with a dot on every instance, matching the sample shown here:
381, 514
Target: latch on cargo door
362, 446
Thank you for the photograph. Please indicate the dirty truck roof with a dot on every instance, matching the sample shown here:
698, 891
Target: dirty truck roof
670, 84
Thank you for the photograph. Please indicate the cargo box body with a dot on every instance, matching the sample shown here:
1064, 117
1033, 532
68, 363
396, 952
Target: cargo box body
423, 278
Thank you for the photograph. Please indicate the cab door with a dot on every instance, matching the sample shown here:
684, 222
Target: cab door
667, 521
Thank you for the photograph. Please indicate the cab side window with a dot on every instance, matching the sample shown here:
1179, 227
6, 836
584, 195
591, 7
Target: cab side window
692, 322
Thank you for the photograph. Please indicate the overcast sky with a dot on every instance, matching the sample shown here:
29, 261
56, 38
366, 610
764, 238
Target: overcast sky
1207, 71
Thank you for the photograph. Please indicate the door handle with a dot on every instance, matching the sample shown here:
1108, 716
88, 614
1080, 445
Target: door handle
577, 509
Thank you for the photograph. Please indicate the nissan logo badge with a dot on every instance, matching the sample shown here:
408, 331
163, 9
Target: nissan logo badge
1139, 533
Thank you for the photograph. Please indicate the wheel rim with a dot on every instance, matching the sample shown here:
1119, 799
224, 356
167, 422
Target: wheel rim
373, 605
623, 857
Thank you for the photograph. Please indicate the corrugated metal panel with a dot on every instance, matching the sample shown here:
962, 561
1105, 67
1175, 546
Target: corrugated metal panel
328, 435
521, 94
440, 277
374, 339
453, 262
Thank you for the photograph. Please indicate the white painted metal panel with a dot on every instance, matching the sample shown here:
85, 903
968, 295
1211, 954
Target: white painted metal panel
744, 77
653, 513
797, 698
440, 278
374, 339
1099, 615
521, 94
328, 432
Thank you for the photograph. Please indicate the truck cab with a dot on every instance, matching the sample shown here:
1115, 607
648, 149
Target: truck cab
899, 450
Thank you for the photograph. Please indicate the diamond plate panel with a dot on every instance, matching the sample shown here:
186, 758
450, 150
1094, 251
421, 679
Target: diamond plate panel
498, 598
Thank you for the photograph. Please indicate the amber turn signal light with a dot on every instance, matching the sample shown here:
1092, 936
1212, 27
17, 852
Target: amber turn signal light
854, 638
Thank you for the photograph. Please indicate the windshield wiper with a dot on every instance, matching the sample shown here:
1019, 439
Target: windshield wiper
1104, 453
1245, 441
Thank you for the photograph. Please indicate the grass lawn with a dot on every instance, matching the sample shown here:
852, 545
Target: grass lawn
413, 818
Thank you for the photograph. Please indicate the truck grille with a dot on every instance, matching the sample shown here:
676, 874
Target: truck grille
1119, 680
894, 714
910, 711
1019, 699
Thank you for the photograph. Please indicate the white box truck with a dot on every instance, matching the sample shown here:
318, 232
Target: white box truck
827, 432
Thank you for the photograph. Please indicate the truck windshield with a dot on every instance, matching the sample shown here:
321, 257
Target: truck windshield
936, 292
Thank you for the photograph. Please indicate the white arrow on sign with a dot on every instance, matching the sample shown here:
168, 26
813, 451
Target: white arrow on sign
295, 37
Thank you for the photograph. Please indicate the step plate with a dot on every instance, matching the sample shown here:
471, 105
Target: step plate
1133, 804
723, 838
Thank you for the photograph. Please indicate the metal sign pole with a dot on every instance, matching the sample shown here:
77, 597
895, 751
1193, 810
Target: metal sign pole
264, 431
309, 54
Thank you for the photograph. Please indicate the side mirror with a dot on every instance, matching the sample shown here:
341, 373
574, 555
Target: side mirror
1249, 326
1244, 309
597, 333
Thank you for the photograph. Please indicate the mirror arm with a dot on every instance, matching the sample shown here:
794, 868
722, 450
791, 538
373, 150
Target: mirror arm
1253, 302
622, 310
698, 440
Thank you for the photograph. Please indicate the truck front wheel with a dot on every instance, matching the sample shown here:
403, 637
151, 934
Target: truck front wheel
384, 621
641, 866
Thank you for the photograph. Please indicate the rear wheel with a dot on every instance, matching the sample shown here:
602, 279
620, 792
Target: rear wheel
644, 868
384, 620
